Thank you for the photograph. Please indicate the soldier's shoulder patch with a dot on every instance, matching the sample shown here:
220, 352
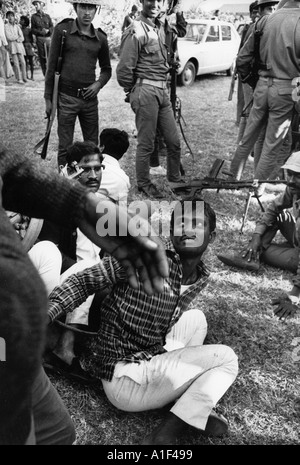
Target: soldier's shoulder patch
66, 20
101, 31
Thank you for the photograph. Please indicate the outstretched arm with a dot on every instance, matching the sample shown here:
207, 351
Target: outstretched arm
32, 188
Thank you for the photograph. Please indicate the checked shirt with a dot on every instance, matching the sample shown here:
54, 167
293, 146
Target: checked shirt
133, 325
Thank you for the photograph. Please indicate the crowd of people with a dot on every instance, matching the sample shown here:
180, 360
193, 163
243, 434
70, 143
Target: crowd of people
134, 292
21, 39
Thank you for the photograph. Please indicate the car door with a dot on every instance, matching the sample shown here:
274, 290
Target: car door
229, 45
210, 53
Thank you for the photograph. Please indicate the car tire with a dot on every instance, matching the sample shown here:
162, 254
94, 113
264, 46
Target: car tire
188, 75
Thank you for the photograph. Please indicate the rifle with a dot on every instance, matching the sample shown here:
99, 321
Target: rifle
197, 185
252, 77
232, 83
45, 141
176, 106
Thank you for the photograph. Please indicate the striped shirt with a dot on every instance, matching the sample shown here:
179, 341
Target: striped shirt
133, 325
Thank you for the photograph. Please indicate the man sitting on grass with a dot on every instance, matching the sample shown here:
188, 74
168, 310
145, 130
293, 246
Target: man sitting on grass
151, 350
285, 255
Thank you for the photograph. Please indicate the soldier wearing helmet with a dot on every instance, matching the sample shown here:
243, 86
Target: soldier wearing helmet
84, 47
42, 28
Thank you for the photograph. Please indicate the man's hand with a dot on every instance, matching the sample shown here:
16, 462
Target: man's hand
253, 249
286, 307
92, 91
142, 255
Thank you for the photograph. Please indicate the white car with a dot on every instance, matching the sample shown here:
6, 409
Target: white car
209, 46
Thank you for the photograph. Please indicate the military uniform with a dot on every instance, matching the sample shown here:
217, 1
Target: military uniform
273, 103
142, 71
40, 21
80, 56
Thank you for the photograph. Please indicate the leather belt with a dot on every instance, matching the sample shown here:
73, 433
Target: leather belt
152, 82
72, 91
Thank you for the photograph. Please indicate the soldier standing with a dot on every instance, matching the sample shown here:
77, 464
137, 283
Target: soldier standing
42, 28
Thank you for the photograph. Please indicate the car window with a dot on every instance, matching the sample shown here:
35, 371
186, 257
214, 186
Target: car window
195, 32
226, 32
213, 34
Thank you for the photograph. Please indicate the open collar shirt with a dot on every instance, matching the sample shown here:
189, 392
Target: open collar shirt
133, 325
40, 21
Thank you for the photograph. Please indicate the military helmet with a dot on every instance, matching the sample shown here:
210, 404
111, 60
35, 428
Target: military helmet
86, 2
267, 2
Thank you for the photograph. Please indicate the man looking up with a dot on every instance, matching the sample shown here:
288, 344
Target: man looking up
142, 72
78, 87
150, 349
42, 28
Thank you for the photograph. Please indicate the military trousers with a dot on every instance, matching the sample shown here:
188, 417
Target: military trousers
273, 107
152, 108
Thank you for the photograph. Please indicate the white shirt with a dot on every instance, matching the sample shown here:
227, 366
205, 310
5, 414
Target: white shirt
3, 40
115, 180
86, 249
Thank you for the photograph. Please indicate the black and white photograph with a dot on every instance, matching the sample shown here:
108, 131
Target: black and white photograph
150, 226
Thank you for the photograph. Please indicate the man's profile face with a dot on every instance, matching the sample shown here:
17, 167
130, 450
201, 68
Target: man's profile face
293, 181
92, 174
152, 8
191, 233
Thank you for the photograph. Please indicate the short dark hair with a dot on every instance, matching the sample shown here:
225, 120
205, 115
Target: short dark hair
9, 13
134, 8
115, 142
78, 150
208, 212
25, 19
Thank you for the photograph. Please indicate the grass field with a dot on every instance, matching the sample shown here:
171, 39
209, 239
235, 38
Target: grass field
263, 404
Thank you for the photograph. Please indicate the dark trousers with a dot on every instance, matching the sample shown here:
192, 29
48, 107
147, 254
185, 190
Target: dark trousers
43, 47
52, 424
23, 308
69, 108
282, 255
152, 108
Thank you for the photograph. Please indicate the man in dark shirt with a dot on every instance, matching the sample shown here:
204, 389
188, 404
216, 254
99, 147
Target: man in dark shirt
42, 28
78, 87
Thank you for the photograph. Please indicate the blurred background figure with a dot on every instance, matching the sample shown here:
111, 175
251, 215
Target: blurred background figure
42, 28
130, 17
28, 45
15, 39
